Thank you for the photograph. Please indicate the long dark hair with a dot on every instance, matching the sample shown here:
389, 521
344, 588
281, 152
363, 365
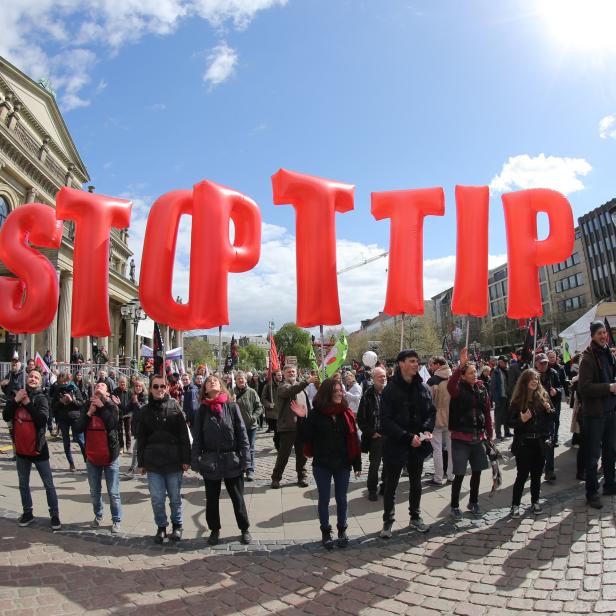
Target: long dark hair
325, 395
521, 394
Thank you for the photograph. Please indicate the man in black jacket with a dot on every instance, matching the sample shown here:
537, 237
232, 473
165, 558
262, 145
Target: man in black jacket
551, 383
407, 421
562, 389
66, 405
34, 401
163, 452
369, 422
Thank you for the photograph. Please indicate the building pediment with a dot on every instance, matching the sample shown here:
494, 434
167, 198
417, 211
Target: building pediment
40, 109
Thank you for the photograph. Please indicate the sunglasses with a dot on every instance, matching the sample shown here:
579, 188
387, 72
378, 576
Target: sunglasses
159, 386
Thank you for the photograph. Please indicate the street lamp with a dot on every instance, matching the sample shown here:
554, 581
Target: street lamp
135, 313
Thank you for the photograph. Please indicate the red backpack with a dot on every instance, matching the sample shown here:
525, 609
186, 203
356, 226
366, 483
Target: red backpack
97, 444
24, 433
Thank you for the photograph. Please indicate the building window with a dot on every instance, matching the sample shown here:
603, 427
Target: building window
576, 258
4, 209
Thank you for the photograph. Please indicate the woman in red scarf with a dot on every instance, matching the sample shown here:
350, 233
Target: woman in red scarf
221, 452
330, 434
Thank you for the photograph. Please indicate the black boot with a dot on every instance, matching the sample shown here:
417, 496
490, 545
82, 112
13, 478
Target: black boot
327, 539
176, 534
161, 533
343, 538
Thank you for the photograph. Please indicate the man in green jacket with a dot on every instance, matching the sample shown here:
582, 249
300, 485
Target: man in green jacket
251, 408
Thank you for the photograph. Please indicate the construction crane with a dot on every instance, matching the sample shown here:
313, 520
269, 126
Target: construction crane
364, 262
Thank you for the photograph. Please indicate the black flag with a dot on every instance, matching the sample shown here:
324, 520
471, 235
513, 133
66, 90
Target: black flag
158, 351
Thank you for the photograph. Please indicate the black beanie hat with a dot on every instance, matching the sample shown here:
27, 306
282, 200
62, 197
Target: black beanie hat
595, 326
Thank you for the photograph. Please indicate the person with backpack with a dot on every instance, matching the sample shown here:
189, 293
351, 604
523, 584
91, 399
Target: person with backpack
99, 422
163, 452
221, 452
66, 404
28, 411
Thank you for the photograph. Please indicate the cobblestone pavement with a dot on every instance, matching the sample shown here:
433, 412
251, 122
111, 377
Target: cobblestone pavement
562, 561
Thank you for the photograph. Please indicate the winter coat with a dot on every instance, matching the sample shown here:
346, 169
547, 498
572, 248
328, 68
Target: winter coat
593, 387
514, 373
124, 396
269, 403
550, 379
469, 408
38, 407
328, 437
285, 393
135, 411
250, 406
438, 388
111, 416
71, 410
369, 416
539, 424
190, 402
163, 444
499, 384
406, 410
220, 448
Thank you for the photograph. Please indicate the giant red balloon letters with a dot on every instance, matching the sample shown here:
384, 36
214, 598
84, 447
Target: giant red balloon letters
29, 301
212, 255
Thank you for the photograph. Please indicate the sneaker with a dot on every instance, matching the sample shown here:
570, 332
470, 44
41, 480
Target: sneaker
386, 530
246, 538
302, 483
327, 539
438, 482
594, 501
373, 496
55, 523
419, 525
550, 476
456, 514
536, 508
116, 529
343, 538
214, 538
161, 535
250, 476
96, 522
72, 468
25, 519
474, 508
275, 484
515, 511
176, 533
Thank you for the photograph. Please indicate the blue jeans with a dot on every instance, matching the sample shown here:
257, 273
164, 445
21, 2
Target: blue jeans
66, 426
252, 439
160, 485
24, 465
323, 477
599, 442
112, 479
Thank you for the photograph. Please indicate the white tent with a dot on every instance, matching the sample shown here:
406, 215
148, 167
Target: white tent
577, 335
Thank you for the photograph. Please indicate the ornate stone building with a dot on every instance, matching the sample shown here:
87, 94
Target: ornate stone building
37, 158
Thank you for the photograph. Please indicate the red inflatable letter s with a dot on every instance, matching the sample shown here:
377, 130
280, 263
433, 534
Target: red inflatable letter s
29, 302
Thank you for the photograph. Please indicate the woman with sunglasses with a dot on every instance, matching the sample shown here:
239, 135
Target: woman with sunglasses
330, 435
221, 452
530, 415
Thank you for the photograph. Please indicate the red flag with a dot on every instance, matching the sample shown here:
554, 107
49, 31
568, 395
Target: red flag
274, 364
40, 364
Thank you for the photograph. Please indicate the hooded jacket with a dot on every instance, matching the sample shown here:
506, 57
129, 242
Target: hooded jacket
250, 406
438, 388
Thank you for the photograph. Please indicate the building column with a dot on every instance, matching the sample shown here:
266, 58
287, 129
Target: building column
31, 195
51, 337
64, 317
129, 339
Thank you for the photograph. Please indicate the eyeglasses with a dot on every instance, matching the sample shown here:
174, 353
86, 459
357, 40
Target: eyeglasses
159, 386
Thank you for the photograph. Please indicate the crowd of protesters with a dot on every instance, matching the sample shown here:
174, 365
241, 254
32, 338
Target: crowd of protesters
209, 423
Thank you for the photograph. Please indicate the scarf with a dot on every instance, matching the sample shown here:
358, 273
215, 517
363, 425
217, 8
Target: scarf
353, 448
215, 404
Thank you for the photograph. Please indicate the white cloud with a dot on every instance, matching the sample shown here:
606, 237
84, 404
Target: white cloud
35, 35
157, 107
221, 64
269, 293
607, 127
524, 171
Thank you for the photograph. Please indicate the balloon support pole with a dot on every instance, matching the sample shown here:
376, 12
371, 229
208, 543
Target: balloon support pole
535, 342
402, 331
468, 331
322, 351
220, 366
165, 337
26, 353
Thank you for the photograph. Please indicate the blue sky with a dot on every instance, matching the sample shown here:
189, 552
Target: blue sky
384, 94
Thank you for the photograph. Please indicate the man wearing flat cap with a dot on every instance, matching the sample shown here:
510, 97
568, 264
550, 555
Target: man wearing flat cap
407, 421
551, 383
597, 389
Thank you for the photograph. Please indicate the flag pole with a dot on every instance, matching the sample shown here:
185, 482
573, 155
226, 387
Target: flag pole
271, 371
220, 366
165, 337
23, 368
468, 331
322, 352
535, 343
401, 331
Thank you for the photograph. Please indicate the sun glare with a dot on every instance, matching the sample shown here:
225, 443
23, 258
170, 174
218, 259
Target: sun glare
586, 24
